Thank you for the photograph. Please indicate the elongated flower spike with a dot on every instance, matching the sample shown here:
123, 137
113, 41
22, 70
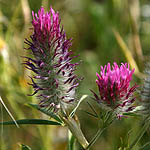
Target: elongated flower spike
54, 81
115, 92
145, 95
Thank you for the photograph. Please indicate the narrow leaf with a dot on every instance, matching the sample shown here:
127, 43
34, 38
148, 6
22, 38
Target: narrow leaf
31, 121
52, 115
81, 99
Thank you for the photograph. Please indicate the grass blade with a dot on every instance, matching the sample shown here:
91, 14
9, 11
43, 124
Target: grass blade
127, 53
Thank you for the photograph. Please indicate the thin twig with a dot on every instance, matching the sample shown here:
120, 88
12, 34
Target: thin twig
9, 112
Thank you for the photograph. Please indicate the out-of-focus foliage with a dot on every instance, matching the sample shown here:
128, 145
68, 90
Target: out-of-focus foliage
92, 24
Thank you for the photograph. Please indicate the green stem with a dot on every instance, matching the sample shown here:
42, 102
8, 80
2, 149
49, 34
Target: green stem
98, 134
74, 126
107, 121
71, 141
140, 134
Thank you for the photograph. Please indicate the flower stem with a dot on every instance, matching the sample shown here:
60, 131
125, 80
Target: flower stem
98, 134
107, 121
71, 141
74, 126
140, 134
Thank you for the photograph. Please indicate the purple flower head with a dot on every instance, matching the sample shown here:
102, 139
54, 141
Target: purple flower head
114, 88
54, 81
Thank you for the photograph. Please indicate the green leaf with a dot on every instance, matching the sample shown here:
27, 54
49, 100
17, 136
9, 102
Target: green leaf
31, 121
25, 147
81, 99
52, 115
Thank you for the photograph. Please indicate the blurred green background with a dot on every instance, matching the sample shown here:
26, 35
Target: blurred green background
103, 31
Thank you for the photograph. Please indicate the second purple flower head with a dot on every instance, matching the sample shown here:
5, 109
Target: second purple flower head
115, 92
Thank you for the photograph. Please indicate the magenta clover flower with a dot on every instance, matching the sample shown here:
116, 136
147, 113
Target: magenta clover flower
54, 80
114, 88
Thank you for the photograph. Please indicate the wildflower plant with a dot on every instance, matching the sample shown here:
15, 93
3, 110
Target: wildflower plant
54, 82
116, 96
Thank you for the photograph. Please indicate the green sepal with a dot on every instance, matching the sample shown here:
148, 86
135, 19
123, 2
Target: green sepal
93, 115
